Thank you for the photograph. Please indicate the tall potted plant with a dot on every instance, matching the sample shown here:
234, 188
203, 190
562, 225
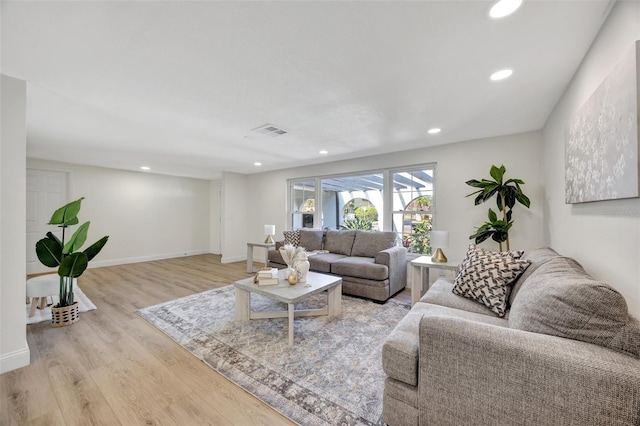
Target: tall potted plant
65, 255
507, 193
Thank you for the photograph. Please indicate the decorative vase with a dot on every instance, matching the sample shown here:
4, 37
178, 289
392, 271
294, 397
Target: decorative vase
301, 269
65, 315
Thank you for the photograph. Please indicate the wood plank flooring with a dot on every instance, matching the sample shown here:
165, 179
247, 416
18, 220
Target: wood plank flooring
114, 368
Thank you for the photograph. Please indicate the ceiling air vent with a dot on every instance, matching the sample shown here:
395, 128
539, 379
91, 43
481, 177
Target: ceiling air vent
270, 129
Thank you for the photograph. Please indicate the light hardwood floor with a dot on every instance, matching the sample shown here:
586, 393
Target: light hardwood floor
114, 368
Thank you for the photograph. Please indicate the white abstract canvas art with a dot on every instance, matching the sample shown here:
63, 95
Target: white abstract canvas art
601, 141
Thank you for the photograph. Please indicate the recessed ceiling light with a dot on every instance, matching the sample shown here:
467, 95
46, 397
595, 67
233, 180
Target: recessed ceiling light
434, 131
257, 163
145, 168
501, 75
503, 8
323, 152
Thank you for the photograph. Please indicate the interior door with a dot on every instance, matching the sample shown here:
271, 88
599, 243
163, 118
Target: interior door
46, 191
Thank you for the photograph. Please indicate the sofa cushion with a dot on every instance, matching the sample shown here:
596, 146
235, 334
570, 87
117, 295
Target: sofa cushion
401, 347
368, 244
362, 267
322, 262
486, 276
311, 239
561, 299
339, 242
537, 257
440, 293
291, 237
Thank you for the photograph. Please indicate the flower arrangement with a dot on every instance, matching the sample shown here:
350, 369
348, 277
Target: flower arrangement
292, 255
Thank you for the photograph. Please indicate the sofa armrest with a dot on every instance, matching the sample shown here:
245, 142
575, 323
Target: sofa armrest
474, 373
395, 258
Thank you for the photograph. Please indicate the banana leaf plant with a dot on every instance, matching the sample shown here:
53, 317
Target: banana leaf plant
507, 193
65, 255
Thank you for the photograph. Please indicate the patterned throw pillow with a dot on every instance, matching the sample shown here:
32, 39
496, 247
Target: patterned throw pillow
486, 277
292, 237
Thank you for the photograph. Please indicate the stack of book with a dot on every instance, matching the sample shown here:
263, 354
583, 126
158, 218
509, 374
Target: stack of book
267, 276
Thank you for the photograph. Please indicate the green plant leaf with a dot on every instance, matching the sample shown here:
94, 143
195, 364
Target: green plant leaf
77, 239
523, 199
500, 236
497, 173
67, 214
492, 216
49, 252
95, 248
73, 265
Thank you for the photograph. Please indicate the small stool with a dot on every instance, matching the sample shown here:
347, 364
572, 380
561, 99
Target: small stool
39, 288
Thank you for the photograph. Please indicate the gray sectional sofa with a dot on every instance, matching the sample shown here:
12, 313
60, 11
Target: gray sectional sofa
565, 353
369, 263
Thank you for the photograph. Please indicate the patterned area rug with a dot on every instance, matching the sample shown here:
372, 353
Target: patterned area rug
332, 375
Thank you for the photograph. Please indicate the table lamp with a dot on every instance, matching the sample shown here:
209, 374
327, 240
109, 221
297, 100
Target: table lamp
439, 240
269, 230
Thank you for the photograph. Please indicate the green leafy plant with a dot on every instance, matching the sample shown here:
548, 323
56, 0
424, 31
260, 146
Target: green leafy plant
362, 223
507, 193
54, 252
420, 238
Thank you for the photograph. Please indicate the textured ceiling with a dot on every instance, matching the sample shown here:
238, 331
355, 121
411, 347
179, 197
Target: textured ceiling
178, 86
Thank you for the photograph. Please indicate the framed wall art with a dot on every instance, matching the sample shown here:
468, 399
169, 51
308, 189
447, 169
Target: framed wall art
601, 140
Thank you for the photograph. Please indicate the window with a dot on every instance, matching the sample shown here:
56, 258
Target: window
398, 200
412, 208
302, 203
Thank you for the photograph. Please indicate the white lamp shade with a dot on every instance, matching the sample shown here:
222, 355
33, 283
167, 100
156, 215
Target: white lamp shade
439, 239
269, 230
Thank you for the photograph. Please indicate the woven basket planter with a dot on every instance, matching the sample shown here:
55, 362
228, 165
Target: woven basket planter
64, 316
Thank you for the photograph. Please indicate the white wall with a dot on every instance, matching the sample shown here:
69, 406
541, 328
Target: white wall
14, 351
237, 206
147, 216
603, 236
456, 163
215, 208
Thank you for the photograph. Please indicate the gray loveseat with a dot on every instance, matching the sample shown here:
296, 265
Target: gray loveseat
566, 353
369, 263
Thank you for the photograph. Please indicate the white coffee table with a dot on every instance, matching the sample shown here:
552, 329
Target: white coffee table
289, 294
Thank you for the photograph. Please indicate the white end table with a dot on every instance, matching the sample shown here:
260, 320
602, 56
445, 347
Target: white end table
250, 247
420, 274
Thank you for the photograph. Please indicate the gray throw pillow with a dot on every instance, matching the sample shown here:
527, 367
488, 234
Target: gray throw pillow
561, 299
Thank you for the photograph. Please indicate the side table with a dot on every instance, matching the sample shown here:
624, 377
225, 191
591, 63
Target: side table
250, 247
420, 274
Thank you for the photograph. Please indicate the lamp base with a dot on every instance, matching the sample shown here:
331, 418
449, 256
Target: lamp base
439, 256
269, 240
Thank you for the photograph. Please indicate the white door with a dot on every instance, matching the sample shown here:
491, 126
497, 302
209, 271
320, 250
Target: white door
46, 191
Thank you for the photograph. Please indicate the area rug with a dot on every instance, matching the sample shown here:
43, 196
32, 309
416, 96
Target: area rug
332, 375
84, 305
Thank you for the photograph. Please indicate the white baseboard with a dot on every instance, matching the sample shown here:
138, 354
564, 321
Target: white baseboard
228, 259
14, 360
113, 262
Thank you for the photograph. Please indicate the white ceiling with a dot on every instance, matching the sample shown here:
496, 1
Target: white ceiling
178, 86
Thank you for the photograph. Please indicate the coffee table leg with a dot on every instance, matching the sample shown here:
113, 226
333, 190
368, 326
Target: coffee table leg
334, 300
243, 304
291, 324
